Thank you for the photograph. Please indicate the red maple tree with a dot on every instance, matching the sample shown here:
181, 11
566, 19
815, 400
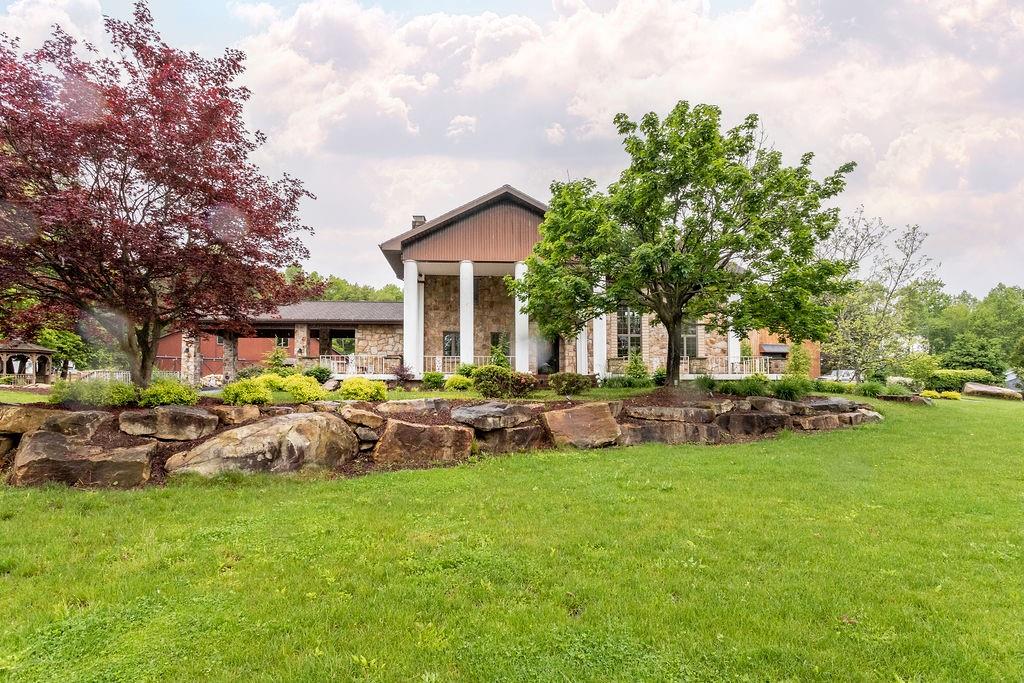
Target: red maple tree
127, 194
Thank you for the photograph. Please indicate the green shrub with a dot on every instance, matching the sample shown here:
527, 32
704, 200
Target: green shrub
636, 369
951, 395
799, 362
929, 393
283, 371
897, 389
272, 381
521, 384
304, 389
871, 388
569, 383
251, 372
499, 357
165, 392
275, 359
458, 383
791, 388
465, 369
492, 381
830, 387
705, 384
95, 392
954, 380
659, 377
624, 382
920, 366
755, 385
60, 392
6, 381
432, 381
319, 372
246, 392
970, 351
362, 389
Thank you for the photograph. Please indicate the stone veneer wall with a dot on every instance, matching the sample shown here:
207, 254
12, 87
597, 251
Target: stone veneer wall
440, 311
494, 311
654, 344
379, 339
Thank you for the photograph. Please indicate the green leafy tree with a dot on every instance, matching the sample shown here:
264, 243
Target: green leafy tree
702, 224
339, 289
799, 363
69, 348
970, 351
920, 366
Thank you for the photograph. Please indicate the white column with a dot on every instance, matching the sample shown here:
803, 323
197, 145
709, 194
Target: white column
522, 327
410, 318
582, 367
601, 345
466, 331
733, 340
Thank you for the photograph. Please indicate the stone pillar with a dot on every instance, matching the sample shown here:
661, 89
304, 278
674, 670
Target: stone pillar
3, 361
230, 369
411, 329
466, 330
191, 358
582, 367
325, 341
522, 327
301, 340
35, 367
601, 345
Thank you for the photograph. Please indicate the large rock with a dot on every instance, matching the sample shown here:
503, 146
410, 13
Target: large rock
235, 415
414, 405
669, 432
405, 442
274, 411
513, 439
169, 423
816, 422
870, 415
278, 444
747, 424
832, 404
325, 406
672, 414
361, 417
493, 415
723, 405
590, 425
851, 419
23, 419
80, 424
54, 457
7, 446
987, 390
777, 405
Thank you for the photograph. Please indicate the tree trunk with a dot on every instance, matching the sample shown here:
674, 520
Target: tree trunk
674, 352
141, 351
64, 368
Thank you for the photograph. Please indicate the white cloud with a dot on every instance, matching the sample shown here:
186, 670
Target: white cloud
461, 124
254, 13
32, 20
555, 134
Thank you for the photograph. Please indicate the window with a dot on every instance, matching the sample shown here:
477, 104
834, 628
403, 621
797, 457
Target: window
629, 333
689, 339
281, 342
220, 340
450, 344
343, 345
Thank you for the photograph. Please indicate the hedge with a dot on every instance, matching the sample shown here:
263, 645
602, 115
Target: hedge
954, 380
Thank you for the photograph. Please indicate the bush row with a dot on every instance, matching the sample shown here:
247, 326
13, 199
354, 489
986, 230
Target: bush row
117, 394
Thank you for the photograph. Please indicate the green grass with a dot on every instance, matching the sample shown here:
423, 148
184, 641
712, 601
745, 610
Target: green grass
15, 396
888, 552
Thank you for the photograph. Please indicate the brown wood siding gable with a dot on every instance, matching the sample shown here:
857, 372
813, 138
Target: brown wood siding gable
501, 233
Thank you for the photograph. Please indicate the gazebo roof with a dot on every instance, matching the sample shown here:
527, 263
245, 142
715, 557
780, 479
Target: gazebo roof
20, 346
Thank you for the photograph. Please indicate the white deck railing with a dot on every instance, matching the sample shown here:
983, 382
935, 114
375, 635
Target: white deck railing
361, 364
449, 365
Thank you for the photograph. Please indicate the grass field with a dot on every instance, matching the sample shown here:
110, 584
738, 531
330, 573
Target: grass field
15, 396
889, 552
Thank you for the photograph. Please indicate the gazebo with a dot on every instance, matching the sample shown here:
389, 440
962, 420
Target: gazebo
25, 362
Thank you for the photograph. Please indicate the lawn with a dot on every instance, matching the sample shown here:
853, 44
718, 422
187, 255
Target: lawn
15, 396
887, 552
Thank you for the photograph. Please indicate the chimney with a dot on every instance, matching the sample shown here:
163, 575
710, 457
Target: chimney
417, 221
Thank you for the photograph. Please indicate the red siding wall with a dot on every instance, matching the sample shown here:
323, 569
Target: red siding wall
250, 350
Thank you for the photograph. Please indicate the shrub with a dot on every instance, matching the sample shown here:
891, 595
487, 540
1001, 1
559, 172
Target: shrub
283, 371
929, 393
951, 395
251, 372
6, 380
246, 392
969, 351
319, 372
871, 388
792, 388
402, 373
569, 383
829, 387
60, 392
498, 356
659, 377
458, 383
920, 366
362, 389
897, 389
272, 381
705, 383
954, 380
432, 381
304, 389
636, 370
95, 392
164, 392
799, 362
521, 384
492, 381
275, 359
465, 369
755, 385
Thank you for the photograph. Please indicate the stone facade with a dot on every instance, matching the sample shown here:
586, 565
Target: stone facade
440, 311
654, 344
493, 312
384, 340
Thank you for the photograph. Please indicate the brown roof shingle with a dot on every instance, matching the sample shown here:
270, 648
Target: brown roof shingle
342, 312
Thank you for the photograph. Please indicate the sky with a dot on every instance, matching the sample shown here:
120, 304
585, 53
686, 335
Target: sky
399, 107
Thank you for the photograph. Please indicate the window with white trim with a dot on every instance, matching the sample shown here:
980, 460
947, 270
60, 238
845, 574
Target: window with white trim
629, 337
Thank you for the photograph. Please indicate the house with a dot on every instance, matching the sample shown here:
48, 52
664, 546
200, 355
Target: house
456, 308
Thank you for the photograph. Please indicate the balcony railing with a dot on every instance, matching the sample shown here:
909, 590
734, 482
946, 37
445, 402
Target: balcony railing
361, 364
448, 365
692, 367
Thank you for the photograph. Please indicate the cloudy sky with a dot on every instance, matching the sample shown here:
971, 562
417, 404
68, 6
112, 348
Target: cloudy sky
396, 107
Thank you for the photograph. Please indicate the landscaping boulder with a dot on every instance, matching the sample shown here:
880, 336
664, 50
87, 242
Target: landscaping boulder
669, 432
870, 415
304, 408
24, 419
512, 439
79, 423
274, 411
54, 457
590, 425
907, 398
747, 424
816, 422
414, 405
833, 404
777, 405
723, 405
325, 406
169, 423
366, 434
851, 419
405, 442
671, 414
7, 446
235, 415
278, 444
331, 384
365, 418
493, 415
987, 390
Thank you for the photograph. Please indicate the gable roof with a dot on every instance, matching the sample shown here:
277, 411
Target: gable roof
340, 312
393, 247
20, 346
